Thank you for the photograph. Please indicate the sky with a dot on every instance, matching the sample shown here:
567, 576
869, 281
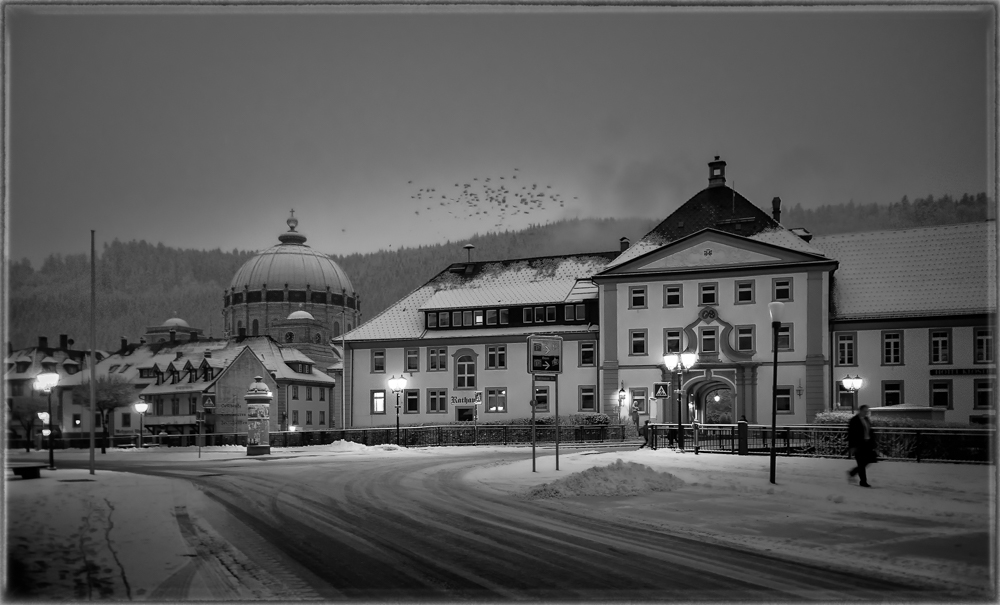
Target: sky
906, 527
201, 127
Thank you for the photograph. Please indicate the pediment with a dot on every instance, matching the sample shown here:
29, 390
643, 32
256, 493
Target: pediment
710, 249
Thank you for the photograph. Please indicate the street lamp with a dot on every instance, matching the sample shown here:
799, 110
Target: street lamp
677, 364
396, 385
852, 385
141, 408
777, 310
46, 382
621, 400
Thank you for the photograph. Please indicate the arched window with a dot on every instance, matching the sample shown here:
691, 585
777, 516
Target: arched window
336, 329
289, 337
348, 327
465, 372
239, 326
255, 327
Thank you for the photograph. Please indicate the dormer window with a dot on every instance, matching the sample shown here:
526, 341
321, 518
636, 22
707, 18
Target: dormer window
22, 366
113, 368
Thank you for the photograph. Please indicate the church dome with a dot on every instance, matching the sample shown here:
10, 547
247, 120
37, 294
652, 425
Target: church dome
294, 264
301, 315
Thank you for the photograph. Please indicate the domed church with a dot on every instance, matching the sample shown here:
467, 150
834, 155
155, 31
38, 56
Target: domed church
287, 279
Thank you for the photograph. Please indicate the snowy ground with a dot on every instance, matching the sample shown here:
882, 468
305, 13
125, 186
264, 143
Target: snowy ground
920, 521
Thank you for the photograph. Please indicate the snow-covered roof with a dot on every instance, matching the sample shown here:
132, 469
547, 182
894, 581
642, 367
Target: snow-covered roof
926, 271
550, 279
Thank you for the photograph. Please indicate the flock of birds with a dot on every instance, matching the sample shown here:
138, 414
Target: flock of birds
488, 198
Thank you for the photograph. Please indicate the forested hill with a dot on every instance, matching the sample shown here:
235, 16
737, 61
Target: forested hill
140, 284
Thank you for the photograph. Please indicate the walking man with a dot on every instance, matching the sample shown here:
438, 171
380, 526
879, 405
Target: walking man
861, 444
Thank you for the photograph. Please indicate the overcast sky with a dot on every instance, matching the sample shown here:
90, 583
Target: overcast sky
201, 127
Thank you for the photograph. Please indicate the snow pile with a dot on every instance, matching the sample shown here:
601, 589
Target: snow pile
616, 479
350, 446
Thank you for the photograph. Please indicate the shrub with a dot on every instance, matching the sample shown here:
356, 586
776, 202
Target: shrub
840, 417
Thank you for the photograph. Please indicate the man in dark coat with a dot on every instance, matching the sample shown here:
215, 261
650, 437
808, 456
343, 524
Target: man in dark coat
861, 444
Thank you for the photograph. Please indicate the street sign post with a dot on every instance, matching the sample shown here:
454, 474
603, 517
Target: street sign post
478, 401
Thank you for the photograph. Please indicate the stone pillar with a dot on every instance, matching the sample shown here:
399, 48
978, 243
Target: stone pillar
258, 400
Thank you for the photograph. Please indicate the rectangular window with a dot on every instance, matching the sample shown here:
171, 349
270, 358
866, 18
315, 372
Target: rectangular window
940, 346
673, 295
846, 351
295, 416
550, 313
984, 346
295, 392
378, 361
744, 292
496, 400
637, 342
941, 393
491, 317
587, 354
412, 360
638, 397
892, 392
17, 388
983, 389
782, 288
175, 407
411, 401
503, 317
467, 318
541, 399
159, 407
526, 315
322, 417
707, 294
436, 401
892, 348
744, 339
637, 297
437, 359
443, 319
309, 393
477, 317
322, 394
456, 319
378, 402
708, 340
126, 420
785, 337
784, 400
588, 398
192, 405
846, 398
581, 312
496, 357
77, 420
432, 320
671, 340
539, 315
568, 313
309, 417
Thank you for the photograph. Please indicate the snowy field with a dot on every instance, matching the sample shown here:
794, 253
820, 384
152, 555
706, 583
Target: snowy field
920, 521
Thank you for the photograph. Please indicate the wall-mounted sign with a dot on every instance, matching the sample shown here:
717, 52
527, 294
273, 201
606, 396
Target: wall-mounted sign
964, 372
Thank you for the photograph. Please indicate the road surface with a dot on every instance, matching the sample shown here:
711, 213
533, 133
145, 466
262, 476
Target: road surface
411, 528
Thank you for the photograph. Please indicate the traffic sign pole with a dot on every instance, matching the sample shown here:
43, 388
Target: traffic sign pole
555, 384
532, 403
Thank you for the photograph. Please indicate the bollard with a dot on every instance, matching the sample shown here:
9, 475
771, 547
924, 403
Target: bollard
742, 430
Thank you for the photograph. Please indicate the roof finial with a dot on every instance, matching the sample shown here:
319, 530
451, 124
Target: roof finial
292, 222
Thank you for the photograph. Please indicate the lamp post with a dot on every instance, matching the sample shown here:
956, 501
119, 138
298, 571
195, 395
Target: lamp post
141, 408
777, 310
46, 382
621, 401
677, 364
396, 385
852, 385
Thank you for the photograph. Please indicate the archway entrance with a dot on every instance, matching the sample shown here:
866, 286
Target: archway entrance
713, 401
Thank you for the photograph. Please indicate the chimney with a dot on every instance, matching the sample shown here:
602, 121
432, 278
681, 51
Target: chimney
178, 355
43, 342
243, 333
173, 336
193, 337
776, 209
208, 353
717, 173
64, 341
124, 343
623, 244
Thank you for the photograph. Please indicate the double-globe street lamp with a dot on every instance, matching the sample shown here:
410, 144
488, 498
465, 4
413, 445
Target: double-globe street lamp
396, 385
678, 364
777, 311
47, 381
141, 408
852, 385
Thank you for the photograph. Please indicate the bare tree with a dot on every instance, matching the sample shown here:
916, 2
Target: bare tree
24, 411
111, 392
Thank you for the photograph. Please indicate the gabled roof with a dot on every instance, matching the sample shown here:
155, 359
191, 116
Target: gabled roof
721, 208
928, 271
276, 358
543, 280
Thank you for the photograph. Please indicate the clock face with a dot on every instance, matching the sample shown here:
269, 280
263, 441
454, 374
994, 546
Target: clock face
289, 337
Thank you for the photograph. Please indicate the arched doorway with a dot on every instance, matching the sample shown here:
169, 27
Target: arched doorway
712, 401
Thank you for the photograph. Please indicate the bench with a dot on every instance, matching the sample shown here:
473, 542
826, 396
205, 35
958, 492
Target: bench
27, 470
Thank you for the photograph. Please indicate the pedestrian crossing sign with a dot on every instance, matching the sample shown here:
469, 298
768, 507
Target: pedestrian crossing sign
661, 389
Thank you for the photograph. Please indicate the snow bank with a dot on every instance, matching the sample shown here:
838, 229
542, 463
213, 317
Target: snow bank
616, 479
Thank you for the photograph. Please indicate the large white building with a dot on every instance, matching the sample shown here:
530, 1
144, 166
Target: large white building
700, 282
